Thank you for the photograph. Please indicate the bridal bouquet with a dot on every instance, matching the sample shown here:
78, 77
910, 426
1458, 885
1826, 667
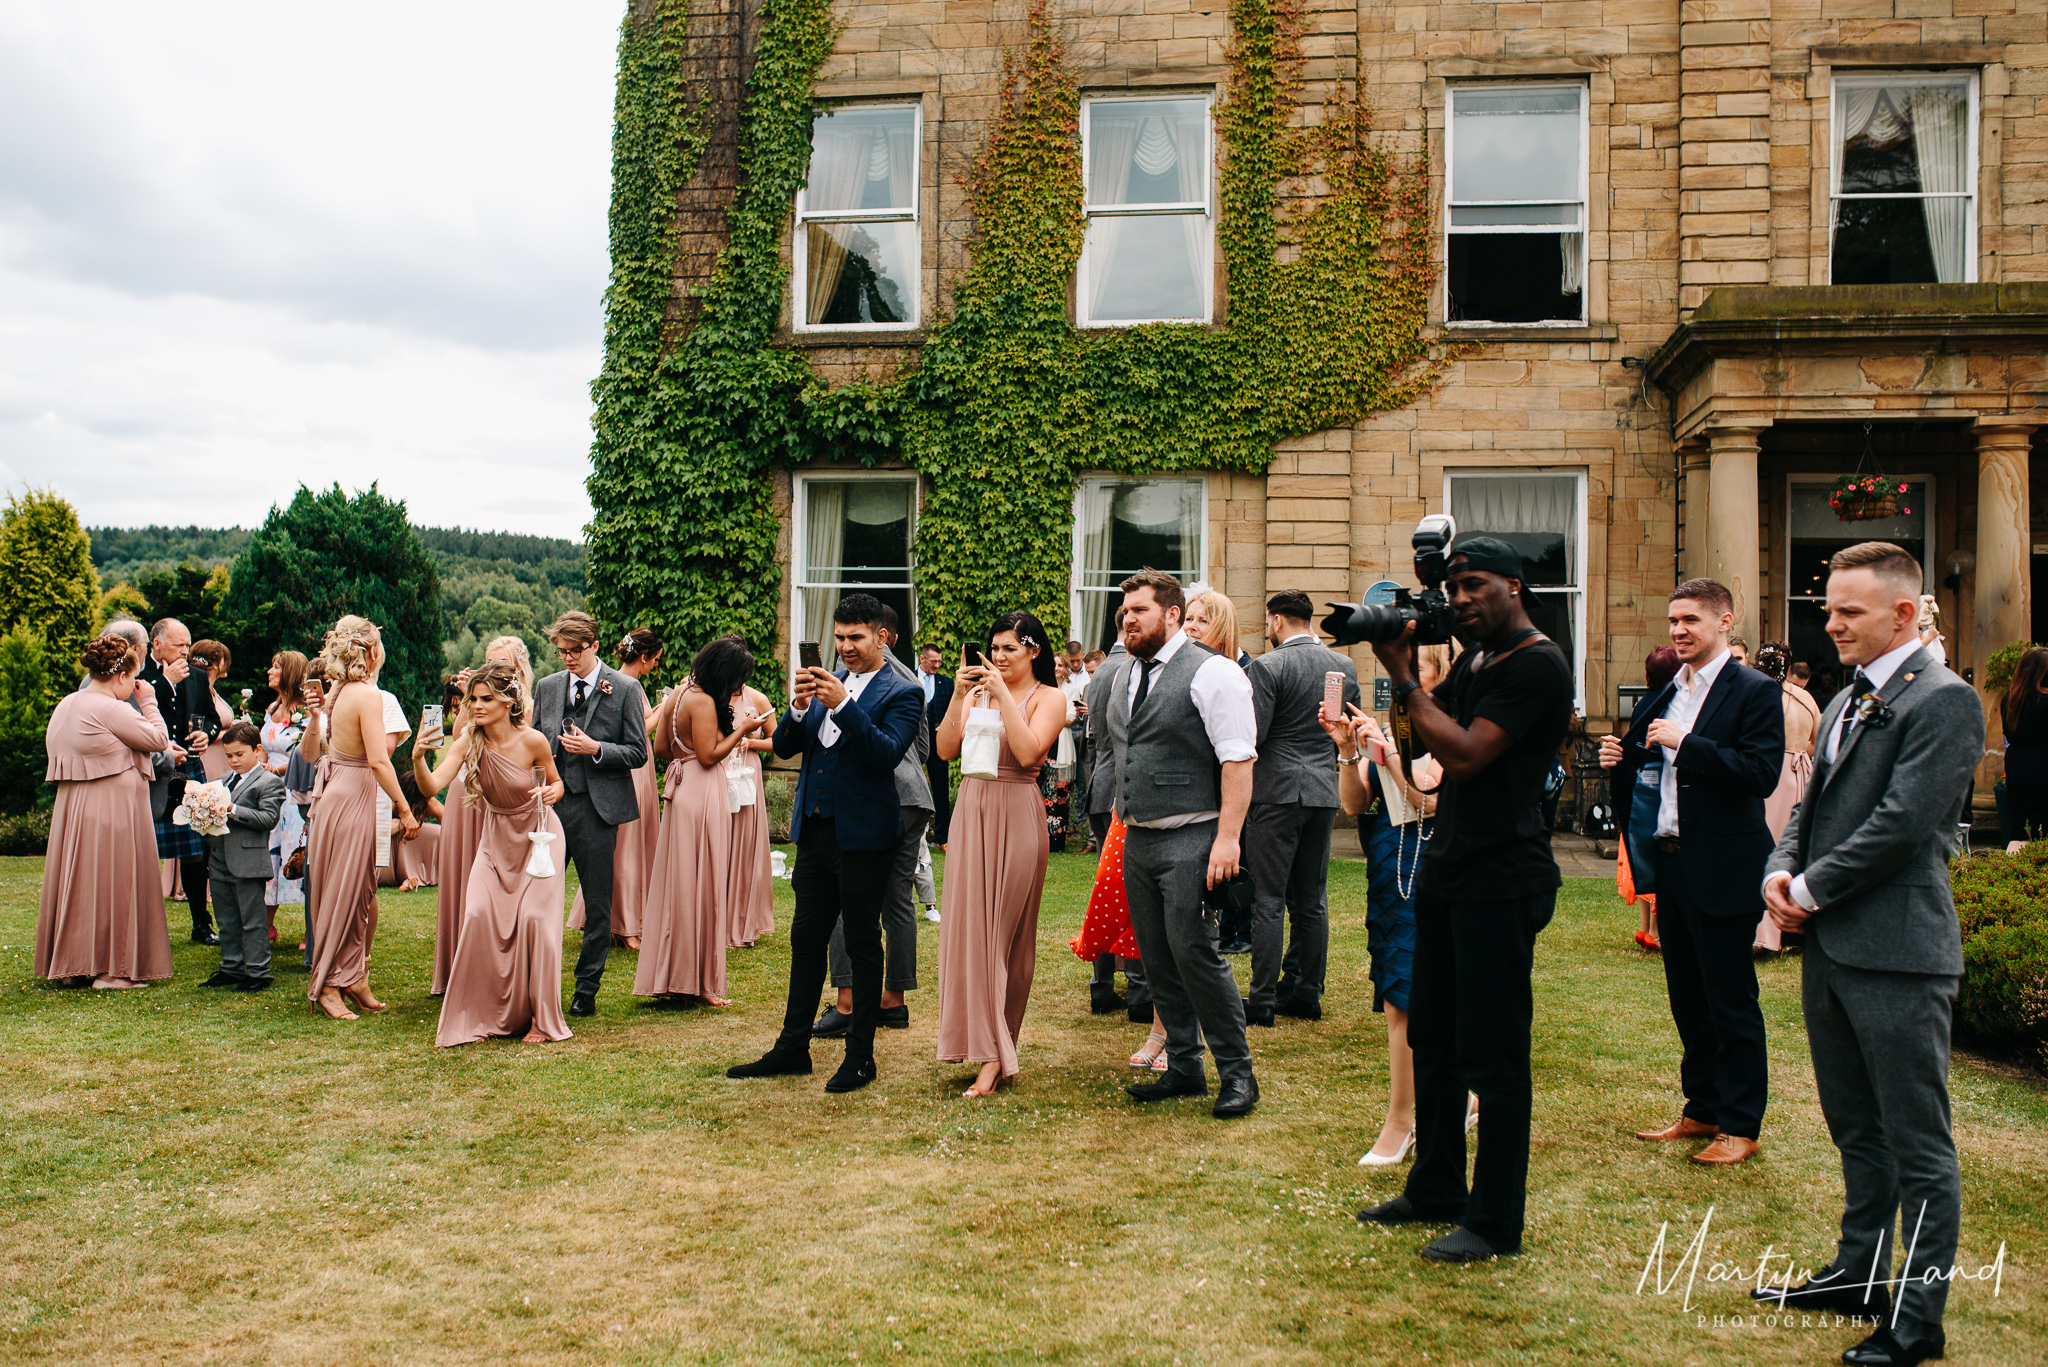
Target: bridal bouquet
205, 810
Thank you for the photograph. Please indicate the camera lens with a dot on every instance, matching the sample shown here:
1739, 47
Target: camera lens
1350, 624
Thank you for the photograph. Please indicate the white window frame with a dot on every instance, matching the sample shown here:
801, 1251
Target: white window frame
1972, 172
799, 538
800, 245
1207, 273
1792, 482
1577, 591
1585, 203
1074, 586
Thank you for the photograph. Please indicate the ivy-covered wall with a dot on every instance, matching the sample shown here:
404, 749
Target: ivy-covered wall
1006, 401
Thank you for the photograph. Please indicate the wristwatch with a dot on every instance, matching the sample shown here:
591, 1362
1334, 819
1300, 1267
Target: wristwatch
1404, 688
1353, 762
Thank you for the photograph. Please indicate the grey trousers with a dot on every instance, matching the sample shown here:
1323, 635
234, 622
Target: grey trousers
1191, 983
592, 842
1880, 1046
244, 925
899, 915
1287, 848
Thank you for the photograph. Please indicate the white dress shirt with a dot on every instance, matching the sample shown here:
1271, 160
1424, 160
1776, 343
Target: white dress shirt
829, 733
1223, 697
1694, 683
1879, 671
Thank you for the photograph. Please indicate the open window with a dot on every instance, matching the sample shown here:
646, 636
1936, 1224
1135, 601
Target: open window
854, 536
1516, 220
1122, 526
1905, 179
1146, 257
856, 251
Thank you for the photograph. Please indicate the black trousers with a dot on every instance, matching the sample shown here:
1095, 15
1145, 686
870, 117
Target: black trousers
1469, 1014
193, 877
835, 887
592, 842
938, 774
1710, 972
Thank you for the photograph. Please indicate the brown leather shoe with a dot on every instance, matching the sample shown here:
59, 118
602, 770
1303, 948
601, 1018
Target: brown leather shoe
1685, 1127
1727, 1149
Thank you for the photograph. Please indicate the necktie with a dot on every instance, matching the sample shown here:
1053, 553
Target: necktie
1145, 668
234, 782
1859, 688
582, 691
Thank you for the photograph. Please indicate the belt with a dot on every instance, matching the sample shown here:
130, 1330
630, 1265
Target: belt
1667, 844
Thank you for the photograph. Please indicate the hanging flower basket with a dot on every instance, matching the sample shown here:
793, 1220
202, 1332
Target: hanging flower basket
1868, 498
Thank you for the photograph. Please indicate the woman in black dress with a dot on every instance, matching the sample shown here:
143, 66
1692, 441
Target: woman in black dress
2025, 714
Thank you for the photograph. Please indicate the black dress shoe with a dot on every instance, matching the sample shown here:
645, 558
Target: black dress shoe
1257, 1015
893, 1017
1402, 1211
583, 1003
852, 1076
1105, 1003
1300, 1008
1168, 1087
1140, 1012
832, 1025
1235, 1096
221, 980
1883, 1350
252, 985
204, 937
1840, 1294
1238, 945
1461, 1245
774, 1063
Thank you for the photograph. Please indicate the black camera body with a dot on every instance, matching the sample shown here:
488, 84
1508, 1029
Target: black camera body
1429, 608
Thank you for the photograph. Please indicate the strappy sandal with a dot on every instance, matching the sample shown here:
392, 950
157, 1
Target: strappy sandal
1155, 1060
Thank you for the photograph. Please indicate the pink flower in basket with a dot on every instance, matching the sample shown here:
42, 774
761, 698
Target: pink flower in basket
205, 810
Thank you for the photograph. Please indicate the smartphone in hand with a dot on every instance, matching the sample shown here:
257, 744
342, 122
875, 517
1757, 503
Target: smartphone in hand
808, 655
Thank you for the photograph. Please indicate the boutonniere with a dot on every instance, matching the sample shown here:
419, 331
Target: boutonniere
1874, 711
298, 716
604, 686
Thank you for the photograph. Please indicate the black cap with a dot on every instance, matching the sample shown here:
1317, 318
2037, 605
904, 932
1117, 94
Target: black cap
1487, 553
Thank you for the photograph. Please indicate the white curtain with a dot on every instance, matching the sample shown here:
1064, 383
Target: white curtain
1507, 505
1941, 145
1572, 248
1112, 146
824, 548
1191, 531
1092, 513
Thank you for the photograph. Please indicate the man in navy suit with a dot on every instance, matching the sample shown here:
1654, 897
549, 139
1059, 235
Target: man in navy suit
853, 727
1713, 744
937, 686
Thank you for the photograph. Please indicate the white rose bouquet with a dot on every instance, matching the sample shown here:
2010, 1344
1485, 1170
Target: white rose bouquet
205, 809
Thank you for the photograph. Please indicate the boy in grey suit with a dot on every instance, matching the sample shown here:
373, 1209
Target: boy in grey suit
238, 862
1862, 870
1294, 805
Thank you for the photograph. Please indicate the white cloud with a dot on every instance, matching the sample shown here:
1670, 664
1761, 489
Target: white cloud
244, 245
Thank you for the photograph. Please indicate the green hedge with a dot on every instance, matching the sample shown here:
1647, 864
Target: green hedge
26, 834
2002, 903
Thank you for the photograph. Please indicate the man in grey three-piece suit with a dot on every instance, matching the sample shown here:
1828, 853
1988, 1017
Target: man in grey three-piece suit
1294, 805
1862, 870
595, 718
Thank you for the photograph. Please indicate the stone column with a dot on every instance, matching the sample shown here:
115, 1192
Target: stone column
2004, 559
1693, 462
1732, 521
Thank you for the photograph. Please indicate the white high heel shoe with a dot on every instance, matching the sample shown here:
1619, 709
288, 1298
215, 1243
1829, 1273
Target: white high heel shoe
1373, 1160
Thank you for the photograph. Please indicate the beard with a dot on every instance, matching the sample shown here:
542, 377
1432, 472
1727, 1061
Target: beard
1148, 645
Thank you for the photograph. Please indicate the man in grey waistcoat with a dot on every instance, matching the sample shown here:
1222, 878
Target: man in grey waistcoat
1294, 805
1102, 686
1862, 871
899, 905
1185, 737
595, 718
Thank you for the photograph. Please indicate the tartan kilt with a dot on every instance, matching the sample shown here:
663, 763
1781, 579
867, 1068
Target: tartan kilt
181, 842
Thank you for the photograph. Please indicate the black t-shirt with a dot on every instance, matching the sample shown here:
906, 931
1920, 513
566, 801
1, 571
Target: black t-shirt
1490, 844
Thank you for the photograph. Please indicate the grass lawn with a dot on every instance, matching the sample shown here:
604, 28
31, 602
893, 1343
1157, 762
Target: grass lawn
191, 1176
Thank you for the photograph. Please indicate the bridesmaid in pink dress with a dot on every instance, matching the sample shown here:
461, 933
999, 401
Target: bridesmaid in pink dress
101, 919
507, 975
682, 950
457, 850
354, 755
752, 904
995, 859
633, 859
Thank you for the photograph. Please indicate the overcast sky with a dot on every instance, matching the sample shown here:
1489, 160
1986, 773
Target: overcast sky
247, 245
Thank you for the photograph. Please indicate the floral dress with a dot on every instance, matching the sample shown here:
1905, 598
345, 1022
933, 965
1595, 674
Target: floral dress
280, 743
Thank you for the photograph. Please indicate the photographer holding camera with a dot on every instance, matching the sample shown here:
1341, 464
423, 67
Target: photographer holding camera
1487, 884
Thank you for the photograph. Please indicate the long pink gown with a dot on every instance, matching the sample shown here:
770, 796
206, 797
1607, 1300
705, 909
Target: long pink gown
633, 858
418, 858
1791, 790
101, 912
459, 833
507, 975
682, 939
341, 870
751, 904
988, 913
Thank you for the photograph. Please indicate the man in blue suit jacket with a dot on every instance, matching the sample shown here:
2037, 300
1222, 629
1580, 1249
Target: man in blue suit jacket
1713, 744
852, 727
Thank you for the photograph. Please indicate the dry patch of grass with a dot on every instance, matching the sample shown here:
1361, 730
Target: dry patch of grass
189, 1176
